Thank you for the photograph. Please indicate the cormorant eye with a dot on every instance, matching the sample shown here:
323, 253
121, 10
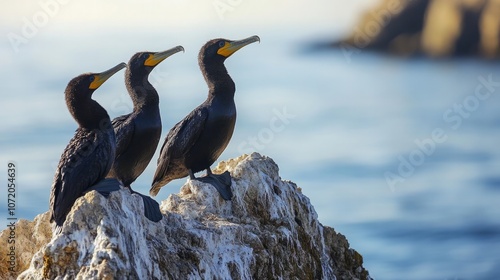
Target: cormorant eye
145, 56
92, 78
221, 44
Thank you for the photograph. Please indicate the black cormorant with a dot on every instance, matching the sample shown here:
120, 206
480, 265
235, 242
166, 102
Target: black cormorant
138, 133
197, 141
90, 153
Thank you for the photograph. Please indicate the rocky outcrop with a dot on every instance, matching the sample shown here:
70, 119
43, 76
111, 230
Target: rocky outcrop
269, 230
436, 28
19, 244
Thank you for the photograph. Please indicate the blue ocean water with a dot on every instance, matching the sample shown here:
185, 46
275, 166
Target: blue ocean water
400, 155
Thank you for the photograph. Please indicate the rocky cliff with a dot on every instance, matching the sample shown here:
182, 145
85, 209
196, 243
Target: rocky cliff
436, 28
269, 230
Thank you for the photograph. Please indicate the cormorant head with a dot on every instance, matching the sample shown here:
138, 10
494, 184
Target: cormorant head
79, 92
143, 63
85, 84
217, 50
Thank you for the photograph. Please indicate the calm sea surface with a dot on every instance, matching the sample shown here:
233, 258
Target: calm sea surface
400, 155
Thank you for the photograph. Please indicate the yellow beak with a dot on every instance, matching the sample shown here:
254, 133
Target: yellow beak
231, 47
158, 57
100, 78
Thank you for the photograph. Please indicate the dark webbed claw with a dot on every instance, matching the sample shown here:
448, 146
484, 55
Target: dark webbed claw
221, 182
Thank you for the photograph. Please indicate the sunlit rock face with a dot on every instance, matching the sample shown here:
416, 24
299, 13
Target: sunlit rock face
436, 28
269, 230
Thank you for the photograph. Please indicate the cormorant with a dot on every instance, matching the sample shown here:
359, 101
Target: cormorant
138, 133
90, 153
197, 141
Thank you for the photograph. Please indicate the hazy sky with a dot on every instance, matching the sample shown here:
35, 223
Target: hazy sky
111, 13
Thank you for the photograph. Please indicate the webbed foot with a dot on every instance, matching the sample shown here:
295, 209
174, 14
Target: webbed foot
105, 186
151, 207
222, 182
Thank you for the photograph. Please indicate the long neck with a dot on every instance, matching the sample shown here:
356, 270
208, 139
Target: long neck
141, 91
89, 114
219, 82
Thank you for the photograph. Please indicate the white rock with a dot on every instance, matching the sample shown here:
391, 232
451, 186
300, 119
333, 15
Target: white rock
269, 230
